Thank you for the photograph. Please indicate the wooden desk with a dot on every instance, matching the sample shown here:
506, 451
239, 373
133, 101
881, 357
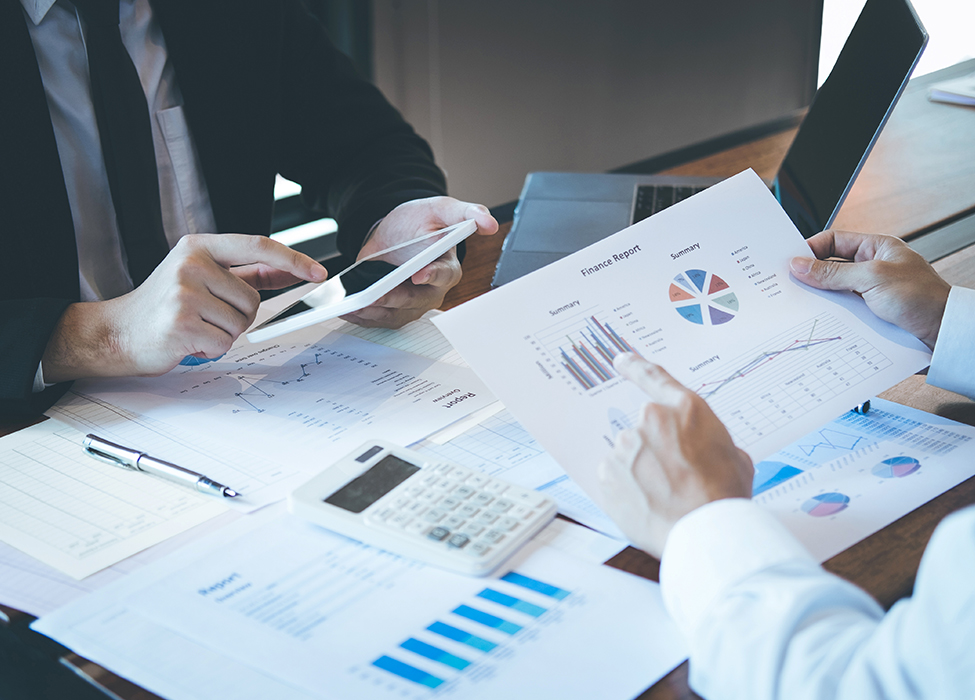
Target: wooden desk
921, 173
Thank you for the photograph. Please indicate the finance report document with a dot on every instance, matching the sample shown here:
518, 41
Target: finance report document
703, 289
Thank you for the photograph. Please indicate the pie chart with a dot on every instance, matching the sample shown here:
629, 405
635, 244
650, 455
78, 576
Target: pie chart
896, 467
703, 298
826, 504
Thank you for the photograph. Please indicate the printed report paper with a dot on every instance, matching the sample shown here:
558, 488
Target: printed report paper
703, 289
80, 515
306, 399
324, 616
855, 475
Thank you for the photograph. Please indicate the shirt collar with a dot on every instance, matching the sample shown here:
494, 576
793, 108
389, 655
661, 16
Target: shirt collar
37, 9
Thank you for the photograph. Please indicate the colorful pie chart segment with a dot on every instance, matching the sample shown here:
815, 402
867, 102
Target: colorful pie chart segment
713, 307
896, 467
826, 504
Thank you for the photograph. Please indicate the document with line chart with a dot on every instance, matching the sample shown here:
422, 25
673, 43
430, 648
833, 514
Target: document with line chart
305, 399
703, 289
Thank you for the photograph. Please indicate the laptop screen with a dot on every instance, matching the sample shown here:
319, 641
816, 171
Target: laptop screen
848, 113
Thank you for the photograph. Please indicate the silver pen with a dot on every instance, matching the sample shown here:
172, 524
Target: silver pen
128, 458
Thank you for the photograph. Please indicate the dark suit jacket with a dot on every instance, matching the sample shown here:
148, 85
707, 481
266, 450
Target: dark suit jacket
264, 92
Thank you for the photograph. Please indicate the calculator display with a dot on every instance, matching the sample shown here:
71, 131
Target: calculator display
367, 488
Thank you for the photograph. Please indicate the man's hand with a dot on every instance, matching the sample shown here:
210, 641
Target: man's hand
897, 283
425, 290
679, 458
197, 302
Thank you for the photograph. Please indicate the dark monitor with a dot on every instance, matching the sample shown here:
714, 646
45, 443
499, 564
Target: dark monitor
848, 113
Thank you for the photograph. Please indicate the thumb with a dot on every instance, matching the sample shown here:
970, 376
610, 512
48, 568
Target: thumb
830, 274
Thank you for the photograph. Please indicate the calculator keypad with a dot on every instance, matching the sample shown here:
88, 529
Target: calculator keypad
457, 507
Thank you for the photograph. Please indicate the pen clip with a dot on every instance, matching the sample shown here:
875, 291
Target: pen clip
110, 453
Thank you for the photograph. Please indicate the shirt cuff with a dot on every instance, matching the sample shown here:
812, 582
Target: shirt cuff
39, 384
713, 548
950, 365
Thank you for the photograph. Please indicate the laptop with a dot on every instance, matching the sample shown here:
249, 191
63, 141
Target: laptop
560, 213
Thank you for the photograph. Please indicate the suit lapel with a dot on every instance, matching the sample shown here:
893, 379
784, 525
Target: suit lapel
37, 242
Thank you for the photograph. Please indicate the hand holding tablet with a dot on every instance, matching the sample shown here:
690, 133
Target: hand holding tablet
329, 299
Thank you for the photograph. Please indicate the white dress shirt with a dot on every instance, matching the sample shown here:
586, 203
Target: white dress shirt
58, 35
765, 621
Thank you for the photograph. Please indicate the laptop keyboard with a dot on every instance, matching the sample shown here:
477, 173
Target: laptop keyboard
653, 198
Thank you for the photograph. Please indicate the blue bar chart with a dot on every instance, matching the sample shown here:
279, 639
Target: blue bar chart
470, 633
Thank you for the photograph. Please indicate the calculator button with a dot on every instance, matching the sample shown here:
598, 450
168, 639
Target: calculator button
454, 522
459, 541
416, 508
502, 505
382, 514
482, 499
469, 511
477, 480
439, 534
493, 536
522, 512
434, 516
417, 527
401, 519
449, 503
487, 518
532, 499
495, 487
463, 491
442, 469
430, 479
473, 529
428, 497
478, 549
507, 524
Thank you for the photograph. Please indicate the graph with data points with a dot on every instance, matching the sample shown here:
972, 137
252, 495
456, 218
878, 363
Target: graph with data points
790, 373
703, 298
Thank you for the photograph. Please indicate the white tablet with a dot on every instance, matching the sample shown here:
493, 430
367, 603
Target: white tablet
329, 299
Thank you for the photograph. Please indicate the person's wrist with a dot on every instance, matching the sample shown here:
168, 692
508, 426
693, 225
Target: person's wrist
86, 343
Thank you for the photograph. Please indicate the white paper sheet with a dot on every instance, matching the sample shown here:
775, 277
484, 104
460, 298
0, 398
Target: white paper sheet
702, 288
258, 479
80, 515
329, 615
306, 399
501, 447
859, 473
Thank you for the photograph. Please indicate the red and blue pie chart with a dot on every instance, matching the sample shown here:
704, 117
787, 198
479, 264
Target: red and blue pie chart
826, 504
703, 298
896, 467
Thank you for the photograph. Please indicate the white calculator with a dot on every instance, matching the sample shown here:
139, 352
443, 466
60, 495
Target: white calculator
438, 512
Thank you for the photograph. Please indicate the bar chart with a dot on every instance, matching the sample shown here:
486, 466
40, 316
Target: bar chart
471, 635
584, 346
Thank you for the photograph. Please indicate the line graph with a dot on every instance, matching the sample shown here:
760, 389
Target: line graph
788, 374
